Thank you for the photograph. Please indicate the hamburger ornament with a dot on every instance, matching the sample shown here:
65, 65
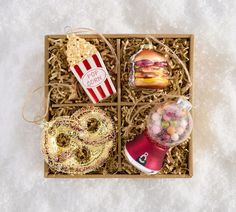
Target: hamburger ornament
149, 69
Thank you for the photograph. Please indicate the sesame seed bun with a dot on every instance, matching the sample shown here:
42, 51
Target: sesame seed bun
150, 55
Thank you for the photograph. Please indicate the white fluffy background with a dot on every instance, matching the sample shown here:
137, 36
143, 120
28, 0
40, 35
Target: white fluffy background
23, 25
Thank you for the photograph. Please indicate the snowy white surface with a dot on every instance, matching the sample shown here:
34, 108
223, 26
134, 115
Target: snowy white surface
23, 25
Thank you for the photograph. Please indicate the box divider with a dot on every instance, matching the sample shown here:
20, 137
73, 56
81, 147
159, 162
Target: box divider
85, 104
100, 104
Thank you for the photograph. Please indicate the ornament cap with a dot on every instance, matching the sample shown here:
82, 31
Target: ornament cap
184, 103
147, 46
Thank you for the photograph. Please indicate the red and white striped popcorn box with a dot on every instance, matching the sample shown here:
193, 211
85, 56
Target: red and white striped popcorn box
94, 78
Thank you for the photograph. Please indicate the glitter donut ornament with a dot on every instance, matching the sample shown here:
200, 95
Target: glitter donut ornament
63, 142
168, 125
149, 69
95, 126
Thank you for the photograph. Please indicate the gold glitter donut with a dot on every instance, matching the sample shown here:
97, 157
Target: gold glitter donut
95, 125
64, 151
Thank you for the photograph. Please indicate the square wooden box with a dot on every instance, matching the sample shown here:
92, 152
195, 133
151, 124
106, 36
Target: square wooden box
119, 104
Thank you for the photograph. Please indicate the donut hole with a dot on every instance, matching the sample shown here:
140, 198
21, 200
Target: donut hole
63, 140
82, 155
93, 125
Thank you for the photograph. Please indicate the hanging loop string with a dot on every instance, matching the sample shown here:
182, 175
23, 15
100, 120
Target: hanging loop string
69, 30
29, 97
172, 53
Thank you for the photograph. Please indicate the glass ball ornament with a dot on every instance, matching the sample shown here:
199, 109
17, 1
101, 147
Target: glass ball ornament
170, 124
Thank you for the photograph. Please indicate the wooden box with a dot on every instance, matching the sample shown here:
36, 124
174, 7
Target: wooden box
119, 103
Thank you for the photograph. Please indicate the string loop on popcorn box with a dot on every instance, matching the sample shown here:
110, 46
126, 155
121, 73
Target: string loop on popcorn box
81, 30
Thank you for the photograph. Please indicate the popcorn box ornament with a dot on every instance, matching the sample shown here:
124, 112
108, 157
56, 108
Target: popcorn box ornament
89, 69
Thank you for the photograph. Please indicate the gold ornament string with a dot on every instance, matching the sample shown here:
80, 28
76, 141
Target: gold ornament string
172, 53
29, 97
